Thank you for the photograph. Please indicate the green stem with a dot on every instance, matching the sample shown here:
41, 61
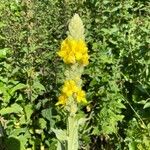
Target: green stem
72, 143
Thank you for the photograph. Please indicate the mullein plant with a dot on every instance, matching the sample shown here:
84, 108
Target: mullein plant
74, 54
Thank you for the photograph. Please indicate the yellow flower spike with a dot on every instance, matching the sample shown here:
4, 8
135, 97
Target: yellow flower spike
73, 51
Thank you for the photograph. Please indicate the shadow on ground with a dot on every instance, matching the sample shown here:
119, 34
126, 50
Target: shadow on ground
9, 144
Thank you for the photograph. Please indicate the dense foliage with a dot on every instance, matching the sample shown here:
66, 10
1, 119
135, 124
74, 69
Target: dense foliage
117, 79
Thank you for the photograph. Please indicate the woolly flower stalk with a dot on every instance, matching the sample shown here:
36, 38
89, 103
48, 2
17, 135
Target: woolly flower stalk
74, 53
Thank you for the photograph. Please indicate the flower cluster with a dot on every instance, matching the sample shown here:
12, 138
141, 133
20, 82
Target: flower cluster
69, 89
73, 51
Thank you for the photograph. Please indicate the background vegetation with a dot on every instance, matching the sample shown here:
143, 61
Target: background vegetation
117, 80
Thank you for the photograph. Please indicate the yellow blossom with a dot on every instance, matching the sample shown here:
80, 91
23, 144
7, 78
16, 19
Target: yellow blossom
73, 51
84, 60
62, 100
69, 87
70, 58
78, 55
80, 96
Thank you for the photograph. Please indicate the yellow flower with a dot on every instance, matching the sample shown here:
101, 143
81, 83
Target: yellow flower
78, 55
62, 99
73, 51
61, 53
80, 96
69, 87
70, 58
84, 60
82, 47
